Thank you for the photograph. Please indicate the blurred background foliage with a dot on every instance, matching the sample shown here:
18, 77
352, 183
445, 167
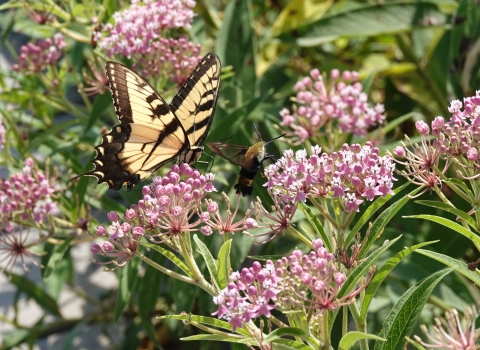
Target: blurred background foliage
412, 56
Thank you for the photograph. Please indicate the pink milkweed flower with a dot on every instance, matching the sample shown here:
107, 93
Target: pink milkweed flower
35, 58
317, 103
350, 176
249, 294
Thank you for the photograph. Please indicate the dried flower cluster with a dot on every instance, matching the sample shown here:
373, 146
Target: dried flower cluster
35, 58
317, 104
353, 174
449, 333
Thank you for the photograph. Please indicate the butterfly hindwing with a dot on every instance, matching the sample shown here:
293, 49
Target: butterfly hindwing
150, 133
195, 102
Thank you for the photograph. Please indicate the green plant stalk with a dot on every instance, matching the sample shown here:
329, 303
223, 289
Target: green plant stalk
325, 332
294, 232
453, 187
215, 331
360, 324
323, 212
163, 269
199, 280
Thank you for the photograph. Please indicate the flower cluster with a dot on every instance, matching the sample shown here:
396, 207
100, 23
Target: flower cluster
455, 141
454, 336
26, 196
310, 281
138, 34
35, 58
318, 104
248, 295
177, 57
122, 244
3, 133
351, 175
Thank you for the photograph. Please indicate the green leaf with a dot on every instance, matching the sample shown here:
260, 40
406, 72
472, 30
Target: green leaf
299, 13
290, 331
371, 20
148, 291
213, 337
382, 273
128, 278
374, 207
208, 321
68, 341
237, 28
404, 315
170, 256
450, 209
223, 268
315, 222
33, 291
459, 266
384, 218
100, 105
462, 185
450, 224
56, 257
15, 338
209, 260
356, 274
349, 339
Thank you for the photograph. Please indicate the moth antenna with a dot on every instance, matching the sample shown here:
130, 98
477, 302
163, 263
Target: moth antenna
256, 130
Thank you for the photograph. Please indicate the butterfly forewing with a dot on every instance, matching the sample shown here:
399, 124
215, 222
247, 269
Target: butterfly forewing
152, 133
235, 154
195, 102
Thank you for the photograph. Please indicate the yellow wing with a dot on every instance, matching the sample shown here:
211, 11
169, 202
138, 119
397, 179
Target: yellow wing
151, 133
195, 103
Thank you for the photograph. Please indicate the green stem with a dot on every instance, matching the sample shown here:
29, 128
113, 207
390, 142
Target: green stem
187, 253
360, 324
323, 212
163, 269
326, 333
294, 232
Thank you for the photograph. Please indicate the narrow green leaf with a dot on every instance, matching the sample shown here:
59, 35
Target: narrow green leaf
450, 224
213, 337
349, 339
223, 268
374, 20
290, 331
208, 321
148, 290
170, 256
383, 219
462, 184
315, 222
56, 257
12, 339
100, 105
459, 266
382, 273
448, 208
68, 341
128, 278
363, 267
356, 274
209, 260
405, 313
372, 209
33, 291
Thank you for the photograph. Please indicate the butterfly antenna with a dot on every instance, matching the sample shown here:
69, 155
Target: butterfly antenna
276, 138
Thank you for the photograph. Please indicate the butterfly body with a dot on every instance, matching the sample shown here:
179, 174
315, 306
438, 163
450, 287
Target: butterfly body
151, 132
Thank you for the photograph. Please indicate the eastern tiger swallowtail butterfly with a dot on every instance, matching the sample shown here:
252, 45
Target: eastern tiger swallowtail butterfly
151, 132
248, 158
